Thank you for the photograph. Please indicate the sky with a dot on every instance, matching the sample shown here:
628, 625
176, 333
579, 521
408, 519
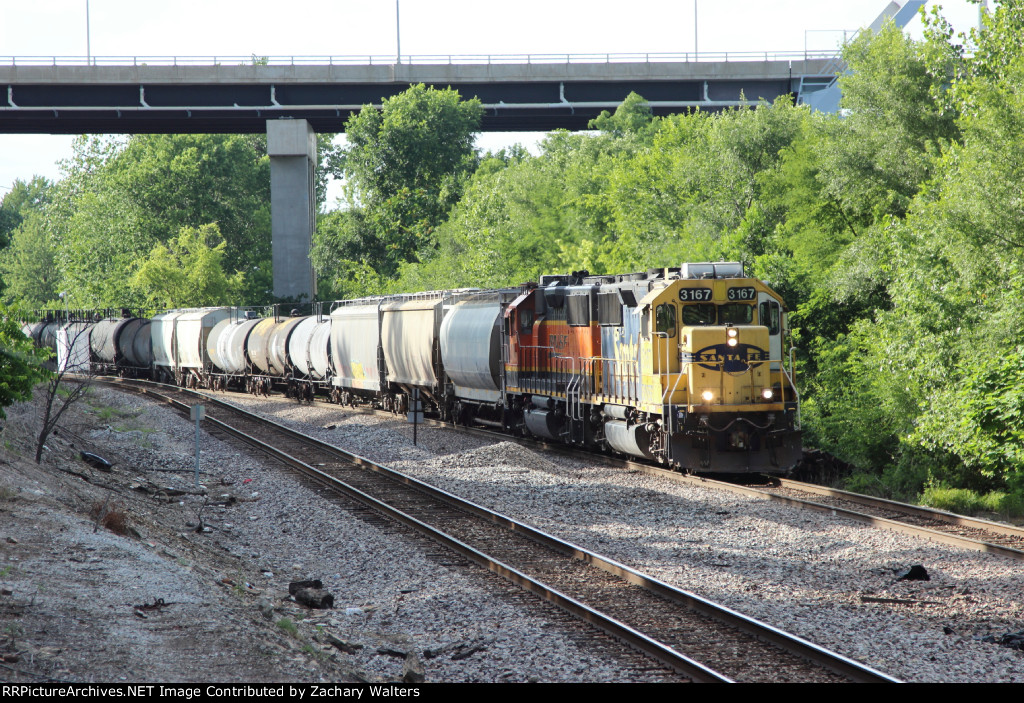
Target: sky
128, 28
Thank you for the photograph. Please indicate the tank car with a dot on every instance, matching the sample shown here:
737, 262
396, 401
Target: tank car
226, 346
121, 346
309, 356
73, 350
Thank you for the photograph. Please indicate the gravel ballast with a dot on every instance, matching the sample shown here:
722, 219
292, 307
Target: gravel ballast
824, 578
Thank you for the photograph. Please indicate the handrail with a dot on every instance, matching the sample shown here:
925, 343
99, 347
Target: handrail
420, 59
624, 385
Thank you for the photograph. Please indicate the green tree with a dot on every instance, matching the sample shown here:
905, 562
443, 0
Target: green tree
120, 197
27, 266
189, 272
20, 363
407, 164
633, 117
22, 199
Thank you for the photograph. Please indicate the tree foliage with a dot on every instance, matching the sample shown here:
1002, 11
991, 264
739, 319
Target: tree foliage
189, 271
893, 230
406, 165
20, 363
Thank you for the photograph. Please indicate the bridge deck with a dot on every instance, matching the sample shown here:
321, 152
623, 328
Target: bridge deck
72, 99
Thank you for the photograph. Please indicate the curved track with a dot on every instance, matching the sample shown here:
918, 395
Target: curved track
927, 523
673, 626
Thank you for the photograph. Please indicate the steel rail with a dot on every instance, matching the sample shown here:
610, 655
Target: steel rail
874, 521
660, 652
916, 510
831, 660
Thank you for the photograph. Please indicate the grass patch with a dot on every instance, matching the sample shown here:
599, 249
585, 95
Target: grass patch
8, 494
134, 427
289, 627
967, 502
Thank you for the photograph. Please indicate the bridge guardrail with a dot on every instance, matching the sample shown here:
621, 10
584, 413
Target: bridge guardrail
417, 59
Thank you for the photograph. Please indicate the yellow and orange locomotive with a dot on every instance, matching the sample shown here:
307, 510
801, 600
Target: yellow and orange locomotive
683, 365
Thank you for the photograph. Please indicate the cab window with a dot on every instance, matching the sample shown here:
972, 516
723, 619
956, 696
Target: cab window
735, 313
769, 317
526, 321
701, 314
665, 317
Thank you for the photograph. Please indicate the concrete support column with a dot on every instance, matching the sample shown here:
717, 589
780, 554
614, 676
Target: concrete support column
291, 145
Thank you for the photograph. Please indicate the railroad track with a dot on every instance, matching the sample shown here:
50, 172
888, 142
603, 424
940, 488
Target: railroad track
936, 525
926, 523
931, 524
691, 635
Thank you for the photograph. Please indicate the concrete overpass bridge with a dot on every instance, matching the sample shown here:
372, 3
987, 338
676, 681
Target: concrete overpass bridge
128, 95
294, 97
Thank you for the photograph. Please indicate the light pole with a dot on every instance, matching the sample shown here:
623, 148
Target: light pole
694, 30
398, 34
88, 45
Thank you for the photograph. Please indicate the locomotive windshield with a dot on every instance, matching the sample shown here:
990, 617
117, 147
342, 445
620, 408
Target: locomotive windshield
735, 313
704, 314
695, 315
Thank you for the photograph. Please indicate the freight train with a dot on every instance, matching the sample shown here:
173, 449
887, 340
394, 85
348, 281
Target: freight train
682, 366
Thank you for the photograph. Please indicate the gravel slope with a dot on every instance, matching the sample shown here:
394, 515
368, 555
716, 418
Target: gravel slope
70, 590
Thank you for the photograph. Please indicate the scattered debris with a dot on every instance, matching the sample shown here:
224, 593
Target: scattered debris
1013, 640
343, 645
311, 583
412, 670
96, 461
266, 609
916, 573
311, 594
157, 604
897, 601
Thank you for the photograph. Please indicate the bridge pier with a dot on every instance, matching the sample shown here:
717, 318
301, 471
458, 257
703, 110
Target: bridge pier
291, 145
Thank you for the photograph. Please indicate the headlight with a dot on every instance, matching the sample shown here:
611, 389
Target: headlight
732, 341
708, 396
732, 333
767, 394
